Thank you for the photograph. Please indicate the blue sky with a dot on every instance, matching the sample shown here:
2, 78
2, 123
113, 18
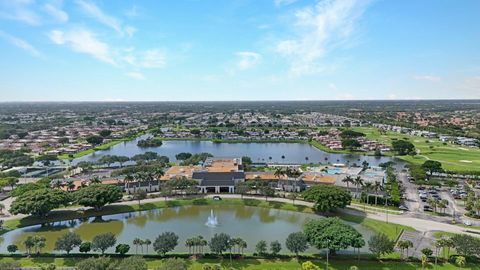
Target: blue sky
153, 50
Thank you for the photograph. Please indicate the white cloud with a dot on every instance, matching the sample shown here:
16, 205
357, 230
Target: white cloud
149, 59
129, 30
319, 29
95, 12
54, 8
247, 60
332, 86
132, 12
430, 78
346, 96
83, 41
136, 75
19, 10
392, 96
20, 43
154, 58
279, 3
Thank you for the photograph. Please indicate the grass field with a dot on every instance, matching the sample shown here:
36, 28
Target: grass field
390, 229
91, 150
453, 157
257, 264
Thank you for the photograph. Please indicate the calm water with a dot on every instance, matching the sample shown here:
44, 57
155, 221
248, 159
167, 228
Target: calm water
259, 152
250, 223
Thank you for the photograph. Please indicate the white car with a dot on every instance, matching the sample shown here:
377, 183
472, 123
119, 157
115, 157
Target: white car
467, 223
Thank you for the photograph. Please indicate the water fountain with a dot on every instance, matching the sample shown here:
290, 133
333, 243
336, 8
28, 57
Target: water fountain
212, 220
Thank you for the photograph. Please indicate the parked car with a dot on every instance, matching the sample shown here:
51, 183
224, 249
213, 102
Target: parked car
427, 208
403, 207
217, 198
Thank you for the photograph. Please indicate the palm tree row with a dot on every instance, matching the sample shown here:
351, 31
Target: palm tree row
289, 172
365, 186
148, 176
139, 242
196, 244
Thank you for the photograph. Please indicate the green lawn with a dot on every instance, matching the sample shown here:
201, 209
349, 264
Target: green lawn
390, 229
453, 157
257, 264
91, 150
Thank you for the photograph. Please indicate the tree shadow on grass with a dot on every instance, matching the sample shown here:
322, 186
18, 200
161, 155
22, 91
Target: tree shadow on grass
224, 262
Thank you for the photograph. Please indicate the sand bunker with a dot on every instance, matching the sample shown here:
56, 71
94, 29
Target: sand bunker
466, 161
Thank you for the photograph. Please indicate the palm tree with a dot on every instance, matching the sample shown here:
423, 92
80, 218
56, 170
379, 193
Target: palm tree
128, 179
242, 245
279, 172
358, 181
58, 184
70, 186
439, 244
368, 187
377, 187
29, 244
449, 244
433, 203
189, 244
348, 180
405, 245
147, 242
203, 243
198, 243
136, 242
95, 180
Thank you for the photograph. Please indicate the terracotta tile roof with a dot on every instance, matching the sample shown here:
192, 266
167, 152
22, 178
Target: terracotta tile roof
179, 171
222, 165
319, 178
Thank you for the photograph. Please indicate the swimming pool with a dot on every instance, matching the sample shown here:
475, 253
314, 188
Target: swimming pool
333, 170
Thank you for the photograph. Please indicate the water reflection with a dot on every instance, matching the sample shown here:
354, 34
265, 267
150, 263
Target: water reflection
260, 152
250, 223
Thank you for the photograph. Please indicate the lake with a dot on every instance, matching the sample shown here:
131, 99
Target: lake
258, 152
250, 223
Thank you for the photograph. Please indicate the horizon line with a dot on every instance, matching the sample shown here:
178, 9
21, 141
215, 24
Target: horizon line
247, 100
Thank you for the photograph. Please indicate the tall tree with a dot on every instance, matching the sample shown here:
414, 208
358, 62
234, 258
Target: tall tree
327, 198
39, 202
98, 195
103, 241
68, 242
332, 234
220, 243
379, 244
165, 242
297, 242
